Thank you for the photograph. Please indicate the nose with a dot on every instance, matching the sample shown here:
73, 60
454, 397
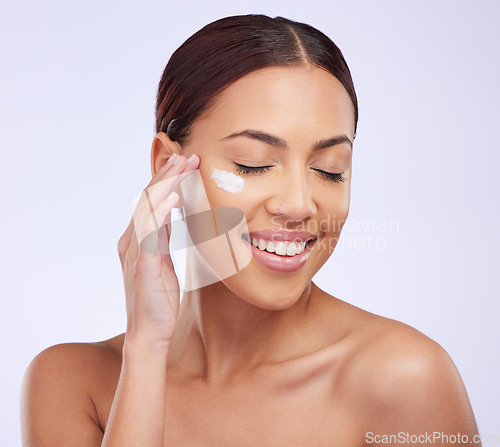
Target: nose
294, 197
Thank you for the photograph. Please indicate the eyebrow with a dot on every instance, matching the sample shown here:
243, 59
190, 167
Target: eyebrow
282, 144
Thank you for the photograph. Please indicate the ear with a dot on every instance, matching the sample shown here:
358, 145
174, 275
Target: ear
161, 150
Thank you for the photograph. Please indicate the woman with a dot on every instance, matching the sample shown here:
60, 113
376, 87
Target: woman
256, 115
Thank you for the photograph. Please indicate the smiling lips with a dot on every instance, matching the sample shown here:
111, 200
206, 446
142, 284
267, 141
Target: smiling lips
280, 250
282, 235
280, 242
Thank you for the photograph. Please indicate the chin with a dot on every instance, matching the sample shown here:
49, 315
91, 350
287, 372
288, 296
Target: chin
268, 298
276, 303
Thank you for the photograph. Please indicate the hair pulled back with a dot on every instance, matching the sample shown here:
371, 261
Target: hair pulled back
225, 50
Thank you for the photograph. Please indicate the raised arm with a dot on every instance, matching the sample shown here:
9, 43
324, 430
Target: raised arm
57, 409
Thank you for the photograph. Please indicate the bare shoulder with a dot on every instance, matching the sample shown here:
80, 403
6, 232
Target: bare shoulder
388, 348
77, 362
59, 389
398, 355
79, 352
394, 377
402, 379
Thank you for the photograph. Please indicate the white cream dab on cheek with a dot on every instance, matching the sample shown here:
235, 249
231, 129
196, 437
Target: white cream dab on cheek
227, 180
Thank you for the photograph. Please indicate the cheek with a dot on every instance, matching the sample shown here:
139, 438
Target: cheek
342, 210
334, 213
227, 181
224, 188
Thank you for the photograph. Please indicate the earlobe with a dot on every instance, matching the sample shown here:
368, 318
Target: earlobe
161, 149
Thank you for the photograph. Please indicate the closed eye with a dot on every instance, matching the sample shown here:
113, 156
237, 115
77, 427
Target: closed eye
242, 169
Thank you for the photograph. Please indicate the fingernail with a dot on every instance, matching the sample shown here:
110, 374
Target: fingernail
191, 158
173, 196
173, 158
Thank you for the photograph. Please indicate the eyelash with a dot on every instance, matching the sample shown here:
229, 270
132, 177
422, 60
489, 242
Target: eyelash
242, 169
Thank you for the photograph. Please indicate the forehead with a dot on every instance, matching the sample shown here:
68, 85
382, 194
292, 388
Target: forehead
279, 99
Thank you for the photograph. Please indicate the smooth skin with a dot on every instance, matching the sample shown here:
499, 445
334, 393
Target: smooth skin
261, 358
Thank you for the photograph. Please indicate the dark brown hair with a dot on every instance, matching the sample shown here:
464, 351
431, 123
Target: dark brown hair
225, 50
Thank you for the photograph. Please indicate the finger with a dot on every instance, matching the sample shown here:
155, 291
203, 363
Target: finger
171, 285
149, 223
168, 274
137, 229
168, 182
133, 248
176, 167
151, 209
124, 241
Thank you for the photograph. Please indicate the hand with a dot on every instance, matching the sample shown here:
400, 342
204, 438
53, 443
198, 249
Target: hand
151, 285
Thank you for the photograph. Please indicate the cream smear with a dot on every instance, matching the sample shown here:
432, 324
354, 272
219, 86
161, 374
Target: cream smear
228, 181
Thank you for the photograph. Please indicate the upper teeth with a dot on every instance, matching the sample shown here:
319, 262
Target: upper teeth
280, 248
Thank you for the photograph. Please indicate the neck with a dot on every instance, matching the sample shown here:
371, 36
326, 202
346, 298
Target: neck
218, 334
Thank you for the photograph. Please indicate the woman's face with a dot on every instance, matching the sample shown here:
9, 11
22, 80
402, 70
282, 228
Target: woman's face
295, 122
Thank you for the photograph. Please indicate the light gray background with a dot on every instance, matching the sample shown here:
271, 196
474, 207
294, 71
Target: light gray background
78, 85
